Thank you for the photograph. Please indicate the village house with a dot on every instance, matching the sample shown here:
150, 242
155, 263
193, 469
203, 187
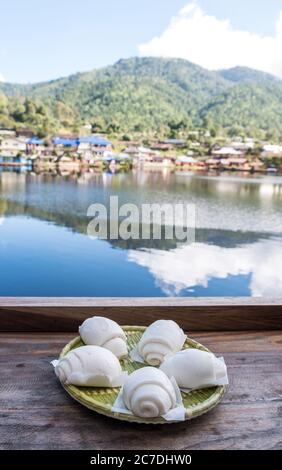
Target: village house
189, 162
235, 163
12, 147
161, 146
225, 152
66, 142
35, 146
243, 146
212, 163
12, 150
146, 156
86, 147
24, 133
174, 142
84, 150
270, 150
157, 160
131, 150
95, 144
7, 133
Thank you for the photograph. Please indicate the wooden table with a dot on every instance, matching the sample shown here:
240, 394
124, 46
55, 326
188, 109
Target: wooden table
36, 413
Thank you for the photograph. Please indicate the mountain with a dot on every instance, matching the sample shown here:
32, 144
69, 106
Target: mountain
148, 96
245, 74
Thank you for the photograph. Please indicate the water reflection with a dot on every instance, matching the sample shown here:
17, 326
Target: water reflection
238, 249
245, 204
196, 265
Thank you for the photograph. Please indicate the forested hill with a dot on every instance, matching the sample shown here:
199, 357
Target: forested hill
245, 74
149, 96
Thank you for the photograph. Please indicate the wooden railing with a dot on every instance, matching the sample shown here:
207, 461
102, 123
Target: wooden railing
63, 314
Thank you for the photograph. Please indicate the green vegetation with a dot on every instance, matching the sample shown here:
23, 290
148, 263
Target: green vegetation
150, 97
245, 74
249, 108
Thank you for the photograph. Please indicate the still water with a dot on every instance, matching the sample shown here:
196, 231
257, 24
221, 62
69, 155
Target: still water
45, 250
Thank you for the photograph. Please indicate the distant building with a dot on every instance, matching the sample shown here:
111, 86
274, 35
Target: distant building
25, 133
233, 163
174, 142
224, 152
161, 146
95, 143
65, 142
35, 145
7, 133
236, 163
12, 151
270, 150
213, 163
12, 147
243, 146
185, 161
84, 150
189, 161
146, 155
131, 150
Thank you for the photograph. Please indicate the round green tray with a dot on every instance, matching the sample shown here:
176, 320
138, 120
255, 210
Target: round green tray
101, 400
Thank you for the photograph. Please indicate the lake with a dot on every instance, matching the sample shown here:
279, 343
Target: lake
45, 249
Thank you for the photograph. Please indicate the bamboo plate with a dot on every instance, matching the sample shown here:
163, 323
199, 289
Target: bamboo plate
101, 400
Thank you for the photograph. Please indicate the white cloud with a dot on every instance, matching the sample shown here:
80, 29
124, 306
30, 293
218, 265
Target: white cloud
215, 44
196, 264
2, 79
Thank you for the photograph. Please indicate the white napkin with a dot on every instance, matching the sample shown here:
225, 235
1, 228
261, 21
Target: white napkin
178, 413
135, 356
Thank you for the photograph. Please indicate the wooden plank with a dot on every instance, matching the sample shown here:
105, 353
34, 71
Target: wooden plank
202, 314
36, 413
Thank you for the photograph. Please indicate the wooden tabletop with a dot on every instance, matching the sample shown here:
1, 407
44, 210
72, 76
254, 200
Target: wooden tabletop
36, 413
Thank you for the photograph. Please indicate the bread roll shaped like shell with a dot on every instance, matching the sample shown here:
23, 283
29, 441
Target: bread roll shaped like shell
148, 393
161, 338
90, 366
194, 369
100, 331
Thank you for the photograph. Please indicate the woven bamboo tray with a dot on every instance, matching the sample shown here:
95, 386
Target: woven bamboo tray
101, 400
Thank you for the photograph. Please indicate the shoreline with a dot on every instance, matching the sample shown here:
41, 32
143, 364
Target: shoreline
75, 167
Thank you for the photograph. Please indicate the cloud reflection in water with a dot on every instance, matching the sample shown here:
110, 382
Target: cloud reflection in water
195, 265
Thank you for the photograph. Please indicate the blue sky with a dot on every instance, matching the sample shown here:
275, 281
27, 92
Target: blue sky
41, 40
